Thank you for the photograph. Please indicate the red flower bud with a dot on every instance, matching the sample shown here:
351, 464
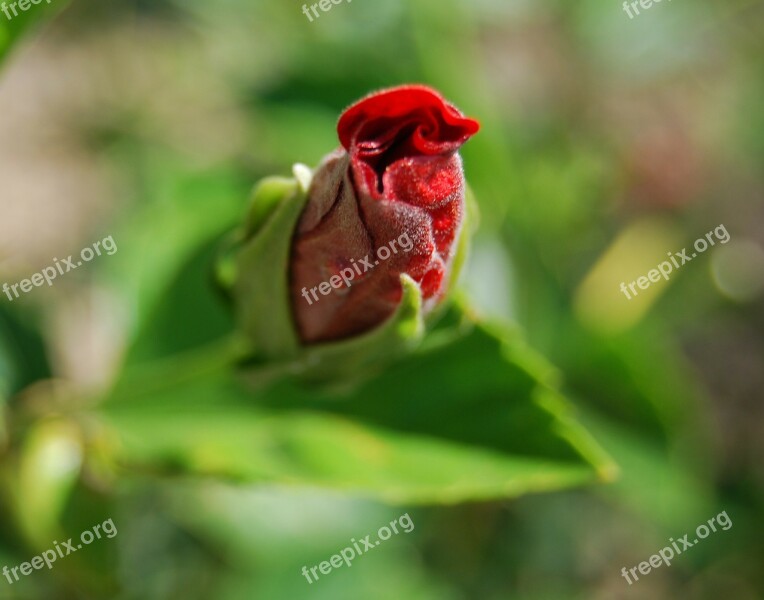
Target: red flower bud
391, 202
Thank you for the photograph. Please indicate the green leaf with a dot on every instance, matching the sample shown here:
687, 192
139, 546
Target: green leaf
643, 368
470, 418
191, 312
677, 498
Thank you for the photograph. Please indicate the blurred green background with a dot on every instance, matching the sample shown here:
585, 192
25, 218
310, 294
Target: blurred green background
606, 143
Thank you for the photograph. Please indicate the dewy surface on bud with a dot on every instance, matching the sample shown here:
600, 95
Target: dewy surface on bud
391, 202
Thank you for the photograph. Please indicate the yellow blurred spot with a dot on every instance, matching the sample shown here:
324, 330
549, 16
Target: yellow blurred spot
50, 464
738, 270
600, 303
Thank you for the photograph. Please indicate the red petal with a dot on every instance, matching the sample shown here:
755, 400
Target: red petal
371, 124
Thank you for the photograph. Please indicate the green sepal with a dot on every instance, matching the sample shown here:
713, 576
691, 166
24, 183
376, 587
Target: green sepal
256, 270
352, 360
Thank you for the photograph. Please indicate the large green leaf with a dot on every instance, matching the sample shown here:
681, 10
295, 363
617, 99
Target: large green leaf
468, 419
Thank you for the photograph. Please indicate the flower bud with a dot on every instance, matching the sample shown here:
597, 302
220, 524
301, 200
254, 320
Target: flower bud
390, 203
359, 251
